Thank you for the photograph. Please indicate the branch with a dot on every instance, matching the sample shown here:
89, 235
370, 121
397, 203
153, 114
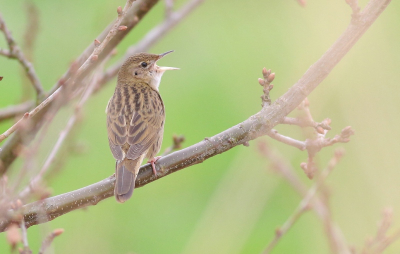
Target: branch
15, 52
256, 126
49, 239
287, 140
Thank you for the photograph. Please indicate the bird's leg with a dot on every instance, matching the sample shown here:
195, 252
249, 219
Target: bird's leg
152, 161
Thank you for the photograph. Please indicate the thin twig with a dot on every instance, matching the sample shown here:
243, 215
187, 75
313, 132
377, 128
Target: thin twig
13, 128
303, 207
26, 249
176, 144
303, 123
287, 140
32, 28
30, 35
49, 239
313, 146
15, 52
307, 120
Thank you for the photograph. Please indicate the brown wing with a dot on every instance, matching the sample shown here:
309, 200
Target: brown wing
135, 119
116, 125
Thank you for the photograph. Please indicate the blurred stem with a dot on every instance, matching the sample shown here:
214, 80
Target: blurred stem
257, 125
30, 35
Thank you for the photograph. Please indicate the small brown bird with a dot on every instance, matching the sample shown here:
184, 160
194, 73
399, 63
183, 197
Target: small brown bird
135, 119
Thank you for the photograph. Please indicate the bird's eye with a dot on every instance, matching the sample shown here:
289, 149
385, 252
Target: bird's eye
144, 64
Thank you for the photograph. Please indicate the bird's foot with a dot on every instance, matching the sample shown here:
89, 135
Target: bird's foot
152, 161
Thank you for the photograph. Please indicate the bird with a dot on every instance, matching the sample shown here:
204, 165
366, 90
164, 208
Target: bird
135, 119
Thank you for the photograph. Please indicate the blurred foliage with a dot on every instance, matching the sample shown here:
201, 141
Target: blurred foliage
231, 203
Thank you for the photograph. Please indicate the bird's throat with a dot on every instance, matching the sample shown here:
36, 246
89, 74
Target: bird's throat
155, 80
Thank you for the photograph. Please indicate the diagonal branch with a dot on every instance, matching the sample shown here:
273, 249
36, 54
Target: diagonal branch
255, 126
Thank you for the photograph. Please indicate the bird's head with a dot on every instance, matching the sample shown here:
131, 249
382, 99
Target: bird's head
142, 67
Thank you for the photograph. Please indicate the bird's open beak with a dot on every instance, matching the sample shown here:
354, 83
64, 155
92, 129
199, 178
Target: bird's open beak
162, 69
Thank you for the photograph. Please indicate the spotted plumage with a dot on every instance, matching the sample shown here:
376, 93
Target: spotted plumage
135, 119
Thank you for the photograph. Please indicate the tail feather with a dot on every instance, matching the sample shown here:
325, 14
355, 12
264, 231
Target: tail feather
125, 173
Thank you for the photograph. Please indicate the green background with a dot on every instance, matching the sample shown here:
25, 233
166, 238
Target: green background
231, 203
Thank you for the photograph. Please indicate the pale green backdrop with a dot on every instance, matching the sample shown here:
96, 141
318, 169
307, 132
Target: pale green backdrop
231, 203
